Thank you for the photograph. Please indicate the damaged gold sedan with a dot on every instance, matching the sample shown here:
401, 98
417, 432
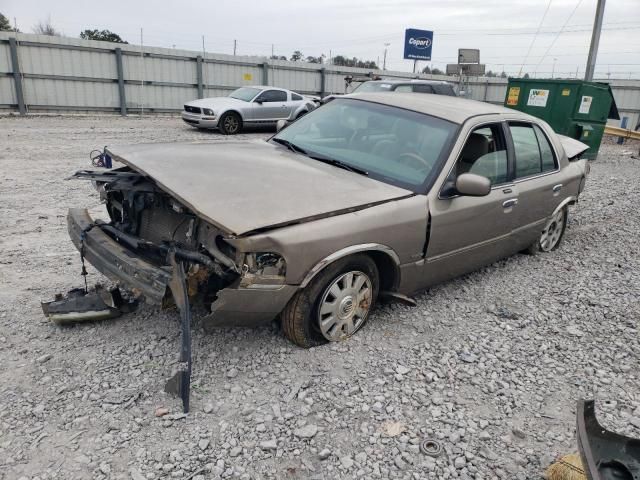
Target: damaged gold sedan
370, 195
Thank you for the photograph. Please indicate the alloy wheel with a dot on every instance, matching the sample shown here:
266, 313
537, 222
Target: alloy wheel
553, 232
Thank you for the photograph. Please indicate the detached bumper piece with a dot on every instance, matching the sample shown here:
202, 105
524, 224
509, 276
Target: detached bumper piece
115, 260
605, 455
79, 306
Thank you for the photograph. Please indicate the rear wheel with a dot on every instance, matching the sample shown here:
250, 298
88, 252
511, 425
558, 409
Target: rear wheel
230, 123
553, 232
335, 304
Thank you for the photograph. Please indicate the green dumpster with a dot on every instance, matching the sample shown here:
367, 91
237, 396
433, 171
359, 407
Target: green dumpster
574, 108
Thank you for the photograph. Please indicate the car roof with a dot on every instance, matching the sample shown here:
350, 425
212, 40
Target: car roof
265, 87
454, 109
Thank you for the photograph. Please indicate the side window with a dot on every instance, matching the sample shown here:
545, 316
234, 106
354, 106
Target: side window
422, 88
273, 96
534, 154
546, 152
403, 88
295, 96
485, 154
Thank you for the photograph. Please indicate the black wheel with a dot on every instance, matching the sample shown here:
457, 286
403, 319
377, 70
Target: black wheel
230, 123
335, 304
301, 114
553, 233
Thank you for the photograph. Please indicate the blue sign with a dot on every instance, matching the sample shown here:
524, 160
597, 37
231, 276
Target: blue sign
417, 44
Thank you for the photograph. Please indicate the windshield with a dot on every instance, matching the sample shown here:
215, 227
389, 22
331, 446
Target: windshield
245, 93
390, 144
373, 87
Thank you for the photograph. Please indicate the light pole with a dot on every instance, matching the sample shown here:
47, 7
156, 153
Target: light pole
384, 59
595, 41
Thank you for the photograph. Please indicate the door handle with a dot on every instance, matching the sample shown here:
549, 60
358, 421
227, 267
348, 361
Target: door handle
557, 188
509, 203
507, 191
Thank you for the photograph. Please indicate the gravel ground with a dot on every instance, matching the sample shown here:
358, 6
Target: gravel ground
490, 365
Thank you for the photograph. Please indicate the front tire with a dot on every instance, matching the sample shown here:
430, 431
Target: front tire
553, 233
334, 305
230, 123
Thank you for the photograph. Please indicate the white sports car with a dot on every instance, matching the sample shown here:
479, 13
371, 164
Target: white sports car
254, 105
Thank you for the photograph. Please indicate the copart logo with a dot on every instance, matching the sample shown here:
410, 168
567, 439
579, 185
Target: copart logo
420, 43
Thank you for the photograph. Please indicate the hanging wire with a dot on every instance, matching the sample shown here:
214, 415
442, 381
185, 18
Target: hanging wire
534, 37
559, 33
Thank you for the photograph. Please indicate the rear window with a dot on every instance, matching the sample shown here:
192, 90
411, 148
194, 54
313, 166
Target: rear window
295, 96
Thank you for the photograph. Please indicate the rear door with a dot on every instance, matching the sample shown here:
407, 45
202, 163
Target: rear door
468, 232
537, 177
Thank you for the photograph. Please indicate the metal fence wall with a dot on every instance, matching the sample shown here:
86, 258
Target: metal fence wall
41, 73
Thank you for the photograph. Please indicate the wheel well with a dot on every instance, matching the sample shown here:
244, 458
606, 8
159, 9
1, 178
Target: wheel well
388, 270
232, 111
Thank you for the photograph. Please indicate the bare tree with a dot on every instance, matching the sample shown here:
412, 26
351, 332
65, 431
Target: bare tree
45, 28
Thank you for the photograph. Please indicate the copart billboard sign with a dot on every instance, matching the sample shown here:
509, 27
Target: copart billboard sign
417, 44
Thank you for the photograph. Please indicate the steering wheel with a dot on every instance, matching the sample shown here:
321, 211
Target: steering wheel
411, 159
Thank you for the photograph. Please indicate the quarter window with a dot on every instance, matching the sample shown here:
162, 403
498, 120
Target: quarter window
403, 88
423, 88
295, 96
534, 154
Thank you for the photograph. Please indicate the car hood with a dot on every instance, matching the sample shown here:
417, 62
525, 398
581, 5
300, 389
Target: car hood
218, 102
242, 187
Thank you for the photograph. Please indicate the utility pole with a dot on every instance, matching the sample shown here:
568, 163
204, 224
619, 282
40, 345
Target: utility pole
595, 40
15, 25
235, 44
384, 59
272, 50
415, 62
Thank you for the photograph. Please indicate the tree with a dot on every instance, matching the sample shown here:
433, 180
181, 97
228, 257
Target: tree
102, 35
426, 70
311, 59
526, 75
276, 57
437, 71
354, 62
490, 74
45, 28
5, 25
503, 74
296, 56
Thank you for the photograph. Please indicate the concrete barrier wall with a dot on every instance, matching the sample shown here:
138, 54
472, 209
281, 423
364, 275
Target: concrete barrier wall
41, 74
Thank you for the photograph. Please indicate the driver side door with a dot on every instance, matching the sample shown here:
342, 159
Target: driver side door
469, 232
270, 105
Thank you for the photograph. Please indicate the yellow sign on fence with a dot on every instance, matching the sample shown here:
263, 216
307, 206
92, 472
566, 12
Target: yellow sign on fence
247, 76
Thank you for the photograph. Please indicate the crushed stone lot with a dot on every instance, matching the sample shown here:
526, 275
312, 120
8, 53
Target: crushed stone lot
490, 365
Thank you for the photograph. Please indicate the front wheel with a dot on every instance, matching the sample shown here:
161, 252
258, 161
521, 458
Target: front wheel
230, 123
553, 232
335, 304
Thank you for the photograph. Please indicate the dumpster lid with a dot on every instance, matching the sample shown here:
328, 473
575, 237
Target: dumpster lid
613, 109
572, 147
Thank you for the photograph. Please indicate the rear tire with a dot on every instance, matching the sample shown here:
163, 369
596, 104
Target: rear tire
230, 123
337, 301
552, 235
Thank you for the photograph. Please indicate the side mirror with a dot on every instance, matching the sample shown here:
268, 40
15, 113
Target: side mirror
472, 185
280, 124
258, 100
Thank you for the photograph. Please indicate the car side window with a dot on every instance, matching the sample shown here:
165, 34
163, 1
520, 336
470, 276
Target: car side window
546, 152
295, 96
534, 154
422, 88
273, 96
403, 88
485, 154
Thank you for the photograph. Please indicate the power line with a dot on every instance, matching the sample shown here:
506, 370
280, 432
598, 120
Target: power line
535, 36
560, 32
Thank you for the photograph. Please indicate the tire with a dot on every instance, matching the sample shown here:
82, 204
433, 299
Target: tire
550, 239
301, 317
230, 123
301, 114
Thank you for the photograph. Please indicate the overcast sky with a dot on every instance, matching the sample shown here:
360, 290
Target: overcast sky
503, 30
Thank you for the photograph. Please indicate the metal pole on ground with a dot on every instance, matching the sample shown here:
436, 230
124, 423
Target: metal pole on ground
595, 40
121, 91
